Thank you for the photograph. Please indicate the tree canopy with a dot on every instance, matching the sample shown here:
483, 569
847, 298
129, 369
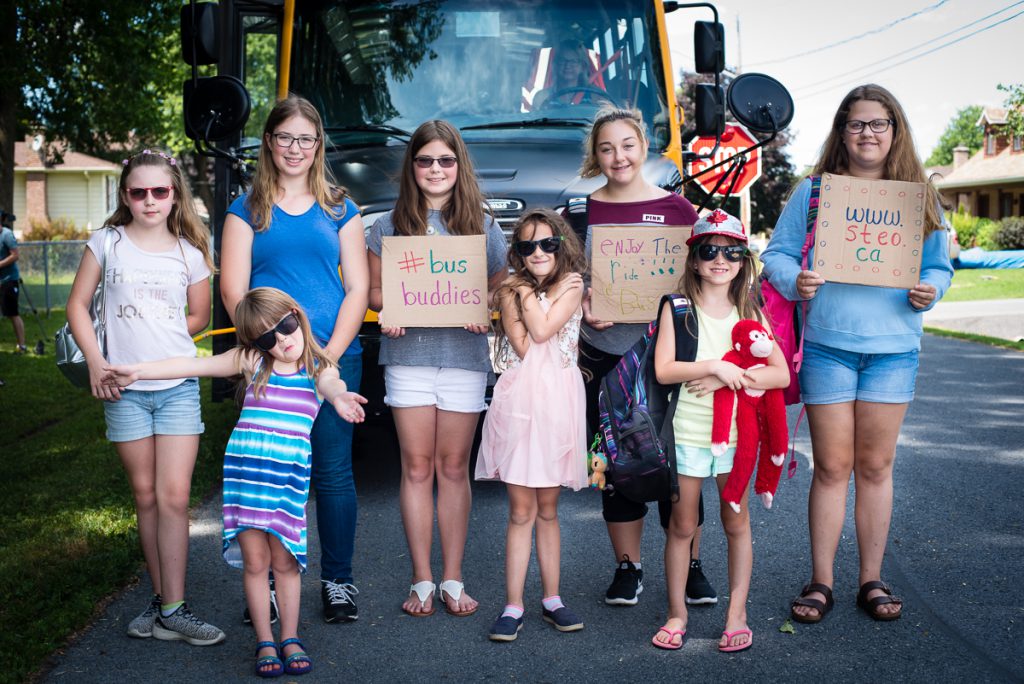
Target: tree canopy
962, 129
1014, 104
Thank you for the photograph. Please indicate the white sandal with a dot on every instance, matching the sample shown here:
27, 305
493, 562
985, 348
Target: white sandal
454, 589
423, 591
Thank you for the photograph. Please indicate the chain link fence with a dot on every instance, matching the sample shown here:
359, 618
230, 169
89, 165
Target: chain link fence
48, 269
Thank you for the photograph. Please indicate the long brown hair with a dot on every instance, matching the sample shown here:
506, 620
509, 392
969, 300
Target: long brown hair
568, 259
744, 290
183, 221
259, 310
263, 194
605, 116
463, 213
902, 163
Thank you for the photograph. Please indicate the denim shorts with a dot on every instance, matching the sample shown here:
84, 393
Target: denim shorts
143, 413
834, 376
694, 461
449, 389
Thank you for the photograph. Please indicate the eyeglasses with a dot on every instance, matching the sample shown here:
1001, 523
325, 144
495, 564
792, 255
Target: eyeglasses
285, 140
443, 162
733, 253
160, 192
286, 326
876, 125
550, 245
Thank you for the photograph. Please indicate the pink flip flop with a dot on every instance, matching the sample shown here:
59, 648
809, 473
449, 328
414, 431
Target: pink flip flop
729, 648
672, 633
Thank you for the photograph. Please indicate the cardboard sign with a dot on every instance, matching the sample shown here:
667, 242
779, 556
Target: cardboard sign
870, 232
434, 281
631, 267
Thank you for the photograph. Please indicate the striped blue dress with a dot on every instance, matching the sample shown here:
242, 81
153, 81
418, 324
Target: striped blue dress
267, 465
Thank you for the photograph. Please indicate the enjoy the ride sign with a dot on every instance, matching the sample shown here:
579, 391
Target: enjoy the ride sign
735, 139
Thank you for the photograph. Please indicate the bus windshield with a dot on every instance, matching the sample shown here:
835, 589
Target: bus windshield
376, 70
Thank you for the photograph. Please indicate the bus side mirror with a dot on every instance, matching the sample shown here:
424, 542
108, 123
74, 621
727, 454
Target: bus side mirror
215, 107
708, 47
199, 33
709, 110
760, 103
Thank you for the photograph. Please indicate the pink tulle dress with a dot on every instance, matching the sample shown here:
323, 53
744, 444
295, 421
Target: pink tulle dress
534, 433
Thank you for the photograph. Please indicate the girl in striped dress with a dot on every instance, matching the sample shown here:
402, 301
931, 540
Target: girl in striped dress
266, 465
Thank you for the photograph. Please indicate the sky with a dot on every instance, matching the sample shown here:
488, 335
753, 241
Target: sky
771, 38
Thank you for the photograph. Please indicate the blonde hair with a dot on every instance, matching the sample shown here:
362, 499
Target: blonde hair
744, 290
259, 310
604, 116
183, 221
902, 162
263, 194
464, 211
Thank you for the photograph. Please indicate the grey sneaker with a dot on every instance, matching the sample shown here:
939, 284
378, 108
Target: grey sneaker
187, 627
142, 626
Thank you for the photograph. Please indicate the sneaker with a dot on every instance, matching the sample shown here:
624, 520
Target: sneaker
563, 619
21, 349
627, 586
247, 619
142, 626
505, 628
699, 591
339, 606
183, 625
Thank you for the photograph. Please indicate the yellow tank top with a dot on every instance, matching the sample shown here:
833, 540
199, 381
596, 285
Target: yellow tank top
692, 420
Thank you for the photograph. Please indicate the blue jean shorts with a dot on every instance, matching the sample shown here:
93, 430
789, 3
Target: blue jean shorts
694, 461
144, 413
834, 376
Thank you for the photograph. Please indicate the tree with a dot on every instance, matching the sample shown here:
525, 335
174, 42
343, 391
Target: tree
962, 129
768, 194
1014, 104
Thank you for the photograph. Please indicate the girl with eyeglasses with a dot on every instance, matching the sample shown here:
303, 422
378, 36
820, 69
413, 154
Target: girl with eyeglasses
616, 148
720, 283
295, 230
157, 264
435, 378
287, 377
860, 352
536, 447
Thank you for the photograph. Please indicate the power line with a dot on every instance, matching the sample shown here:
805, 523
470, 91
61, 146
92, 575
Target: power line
880, 29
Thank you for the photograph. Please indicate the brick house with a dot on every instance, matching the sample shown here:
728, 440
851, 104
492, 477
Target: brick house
81, 188
989, 184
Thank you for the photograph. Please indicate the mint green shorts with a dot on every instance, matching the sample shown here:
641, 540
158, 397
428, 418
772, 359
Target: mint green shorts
694, 461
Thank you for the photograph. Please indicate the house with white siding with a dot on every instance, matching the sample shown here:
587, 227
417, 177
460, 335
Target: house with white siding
80, 188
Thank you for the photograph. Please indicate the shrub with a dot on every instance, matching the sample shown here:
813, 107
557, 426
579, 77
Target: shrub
986, 237
966, 227
56, 229
1010, 233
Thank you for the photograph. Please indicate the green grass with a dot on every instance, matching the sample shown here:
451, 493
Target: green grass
68, 538
971, 337
972, 284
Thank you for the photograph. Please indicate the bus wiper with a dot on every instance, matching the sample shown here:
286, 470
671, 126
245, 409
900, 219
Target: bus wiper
393, 131
543, 122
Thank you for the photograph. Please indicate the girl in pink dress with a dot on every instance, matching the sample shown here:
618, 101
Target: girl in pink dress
534, 435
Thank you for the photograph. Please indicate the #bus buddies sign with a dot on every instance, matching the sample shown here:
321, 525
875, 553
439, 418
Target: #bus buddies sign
870, 232
631, 268
434, 281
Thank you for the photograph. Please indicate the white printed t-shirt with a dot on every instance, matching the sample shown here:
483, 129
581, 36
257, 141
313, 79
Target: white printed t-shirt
145, 300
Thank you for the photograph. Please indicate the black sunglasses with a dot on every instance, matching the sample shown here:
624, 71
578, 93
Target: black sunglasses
285, 326
525, 248
425, 162
733, 253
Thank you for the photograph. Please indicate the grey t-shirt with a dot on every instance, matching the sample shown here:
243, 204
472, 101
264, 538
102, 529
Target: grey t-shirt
440, 347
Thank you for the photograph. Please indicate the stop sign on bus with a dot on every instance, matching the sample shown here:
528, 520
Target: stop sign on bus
735, 139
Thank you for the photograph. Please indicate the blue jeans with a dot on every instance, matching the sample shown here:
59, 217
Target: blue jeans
335, 487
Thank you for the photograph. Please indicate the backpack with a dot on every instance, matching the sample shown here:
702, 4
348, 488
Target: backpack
636, 411
786, 326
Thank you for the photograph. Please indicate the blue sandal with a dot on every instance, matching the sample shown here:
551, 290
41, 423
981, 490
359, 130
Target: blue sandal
297, 663
277, 668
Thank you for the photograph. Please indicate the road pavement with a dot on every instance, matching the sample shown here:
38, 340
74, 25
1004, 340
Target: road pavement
956, 556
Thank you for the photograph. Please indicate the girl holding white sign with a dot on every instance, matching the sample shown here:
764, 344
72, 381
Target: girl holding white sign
532, 448
860, 352
435, 378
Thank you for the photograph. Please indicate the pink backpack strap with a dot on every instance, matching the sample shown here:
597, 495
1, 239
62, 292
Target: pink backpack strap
812, 224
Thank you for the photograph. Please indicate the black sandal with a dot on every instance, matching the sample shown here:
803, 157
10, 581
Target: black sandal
870, 606
823, 608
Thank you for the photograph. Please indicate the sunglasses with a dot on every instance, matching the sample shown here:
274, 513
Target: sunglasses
733, 253
525, 248
443, 162
160, 192
286, 326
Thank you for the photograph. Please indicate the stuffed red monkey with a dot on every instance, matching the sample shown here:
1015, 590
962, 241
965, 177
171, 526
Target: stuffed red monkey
760, 420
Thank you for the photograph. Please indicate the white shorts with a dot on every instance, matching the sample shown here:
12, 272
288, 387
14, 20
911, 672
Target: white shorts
449, 389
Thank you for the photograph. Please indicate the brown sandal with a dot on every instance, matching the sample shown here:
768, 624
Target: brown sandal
870, 606
822, 607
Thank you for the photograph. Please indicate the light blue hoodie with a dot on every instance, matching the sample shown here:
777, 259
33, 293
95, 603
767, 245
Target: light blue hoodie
858, 318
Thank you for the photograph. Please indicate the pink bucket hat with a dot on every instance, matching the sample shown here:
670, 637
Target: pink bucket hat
718, 223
